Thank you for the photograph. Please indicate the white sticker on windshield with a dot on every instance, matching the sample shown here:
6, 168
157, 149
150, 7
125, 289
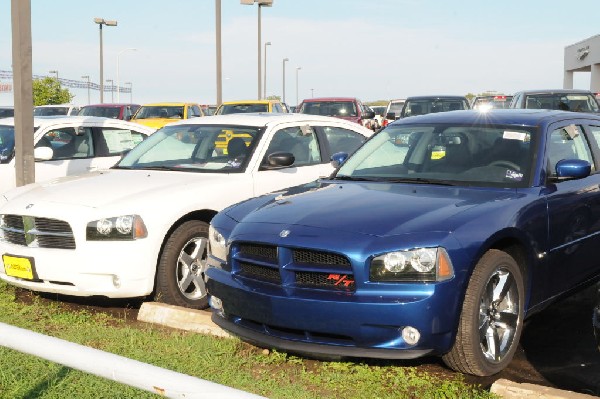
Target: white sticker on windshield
508, 135
513, 175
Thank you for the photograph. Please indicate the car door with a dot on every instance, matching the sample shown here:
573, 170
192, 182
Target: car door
299, 139
110, 143
72, 149
573, 211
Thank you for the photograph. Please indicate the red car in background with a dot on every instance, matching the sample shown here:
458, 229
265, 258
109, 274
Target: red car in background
114, 111
348, 108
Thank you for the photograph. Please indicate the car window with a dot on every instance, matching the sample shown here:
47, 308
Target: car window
113, 141
567, 143
7, 143
68, 142
342, 140
330, 108
301, 141
277, 108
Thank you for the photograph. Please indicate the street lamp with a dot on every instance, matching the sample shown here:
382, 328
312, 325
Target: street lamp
88, 86
100, 22
112, 89
312, 92
56, 72
119, 55
265, 82
284, 61
261, 3
297, 69
130, 91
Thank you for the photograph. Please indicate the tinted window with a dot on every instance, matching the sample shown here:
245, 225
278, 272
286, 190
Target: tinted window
7, 143
567, 102
330, 108
106, 112
342, 140
427, 106
300, 141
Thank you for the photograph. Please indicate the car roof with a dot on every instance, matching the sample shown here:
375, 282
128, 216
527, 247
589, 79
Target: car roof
329, 99
260, 119
168, 104
454, 97
250, 102
55, 105
111, 105
524, 117
556, 91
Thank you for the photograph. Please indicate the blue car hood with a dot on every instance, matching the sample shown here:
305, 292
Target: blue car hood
379, 209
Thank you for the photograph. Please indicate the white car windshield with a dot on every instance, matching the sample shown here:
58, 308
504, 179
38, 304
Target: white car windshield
195, 148
498, 156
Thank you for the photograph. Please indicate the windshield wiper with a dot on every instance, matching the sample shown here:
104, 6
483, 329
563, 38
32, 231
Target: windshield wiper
420, 180
158, 168
353, 178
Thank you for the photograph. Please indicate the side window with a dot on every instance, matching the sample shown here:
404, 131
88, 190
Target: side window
277, 108
114, 141
68, 143
342, 140
194, 111
301, 141
567, 143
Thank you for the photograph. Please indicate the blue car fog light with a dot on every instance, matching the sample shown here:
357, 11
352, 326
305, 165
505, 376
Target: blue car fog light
411, 335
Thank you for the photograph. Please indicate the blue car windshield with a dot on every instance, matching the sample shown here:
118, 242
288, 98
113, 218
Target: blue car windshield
498, 156
7, 143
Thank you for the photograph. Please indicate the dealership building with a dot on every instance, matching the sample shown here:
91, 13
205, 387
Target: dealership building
583, 56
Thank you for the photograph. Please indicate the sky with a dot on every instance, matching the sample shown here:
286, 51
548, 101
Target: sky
369, 49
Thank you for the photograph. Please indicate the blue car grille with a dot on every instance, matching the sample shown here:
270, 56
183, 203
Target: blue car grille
292, 267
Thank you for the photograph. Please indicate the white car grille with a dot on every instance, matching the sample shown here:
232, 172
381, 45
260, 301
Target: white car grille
37, 232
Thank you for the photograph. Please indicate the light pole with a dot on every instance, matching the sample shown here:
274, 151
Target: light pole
88, 86
297, 69
265, 67
56, 72
100, 22
261, 3
119, 55
284, 61
130, 91
112, 89
312, 92
218, 55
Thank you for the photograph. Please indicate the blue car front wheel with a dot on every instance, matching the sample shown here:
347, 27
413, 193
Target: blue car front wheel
491, 320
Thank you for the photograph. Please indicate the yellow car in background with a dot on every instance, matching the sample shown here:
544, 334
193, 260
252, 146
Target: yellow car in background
157, 115
241, 107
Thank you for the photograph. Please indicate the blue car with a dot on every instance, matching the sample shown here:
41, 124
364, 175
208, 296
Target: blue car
438, 236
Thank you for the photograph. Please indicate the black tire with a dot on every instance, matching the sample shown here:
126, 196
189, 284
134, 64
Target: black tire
491, 320
181, 267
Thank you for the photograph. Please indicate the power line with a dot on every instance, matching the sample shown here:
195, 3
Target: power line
75, 84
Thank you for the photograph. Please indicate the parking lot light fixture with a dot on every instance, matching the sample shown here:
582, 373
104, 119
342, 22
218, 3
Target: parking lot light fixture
100, 22
284, 61
112, 89
261, 4
265, 68
297, 69
130, 91
55, 72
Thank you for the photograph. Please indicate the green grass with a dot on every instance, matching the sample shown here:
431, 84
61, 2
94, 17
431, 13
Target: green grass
226, 361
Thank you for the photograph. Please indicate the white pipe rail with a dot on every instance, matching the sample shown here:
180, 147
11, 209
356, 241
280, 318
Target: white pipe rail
163, 382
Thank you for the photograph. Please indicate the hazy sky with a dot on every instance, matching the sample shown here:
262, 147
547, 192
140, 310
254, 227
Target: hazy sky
371, 49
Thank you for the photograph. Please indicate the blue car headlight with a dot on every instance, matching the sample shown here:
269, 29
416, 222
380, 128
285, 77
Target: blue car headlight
217, 244
126, 227
420, 264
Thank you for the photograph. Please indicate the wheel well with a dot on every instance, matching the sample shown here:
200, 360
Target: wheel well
519, 253
204, 215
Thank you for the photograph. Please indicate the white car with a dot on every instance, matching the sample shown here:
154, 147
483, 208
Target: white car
141, 227
69, 145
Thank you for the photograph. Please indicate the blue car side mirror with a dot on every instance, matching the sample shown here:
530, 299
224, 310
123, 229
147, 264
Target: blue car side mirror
573, 169
338, 159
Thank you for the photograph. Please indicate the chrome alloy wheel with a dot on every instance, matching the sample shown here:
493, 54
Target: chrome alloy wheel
191, 265
498, 315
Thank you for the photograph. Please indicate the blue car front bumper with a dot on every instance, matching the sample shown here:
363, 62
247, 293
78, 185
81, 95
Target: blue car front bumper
317, 323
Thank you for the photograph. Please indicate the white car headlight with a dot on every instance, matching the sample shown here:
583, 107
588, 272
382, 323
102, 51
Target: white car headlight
127, 227
217, 245
421, 264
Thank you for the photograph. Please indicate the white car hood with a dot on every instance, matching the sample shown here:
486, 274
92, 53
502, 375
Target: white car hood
109, 187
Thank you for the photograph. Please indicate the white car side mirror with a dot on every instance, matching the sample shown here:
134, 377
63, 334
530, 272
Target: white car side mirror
43, 153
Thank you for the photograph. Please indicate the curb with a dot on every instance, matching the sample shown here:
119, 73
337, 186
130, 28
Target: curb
512, 390
181, 318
